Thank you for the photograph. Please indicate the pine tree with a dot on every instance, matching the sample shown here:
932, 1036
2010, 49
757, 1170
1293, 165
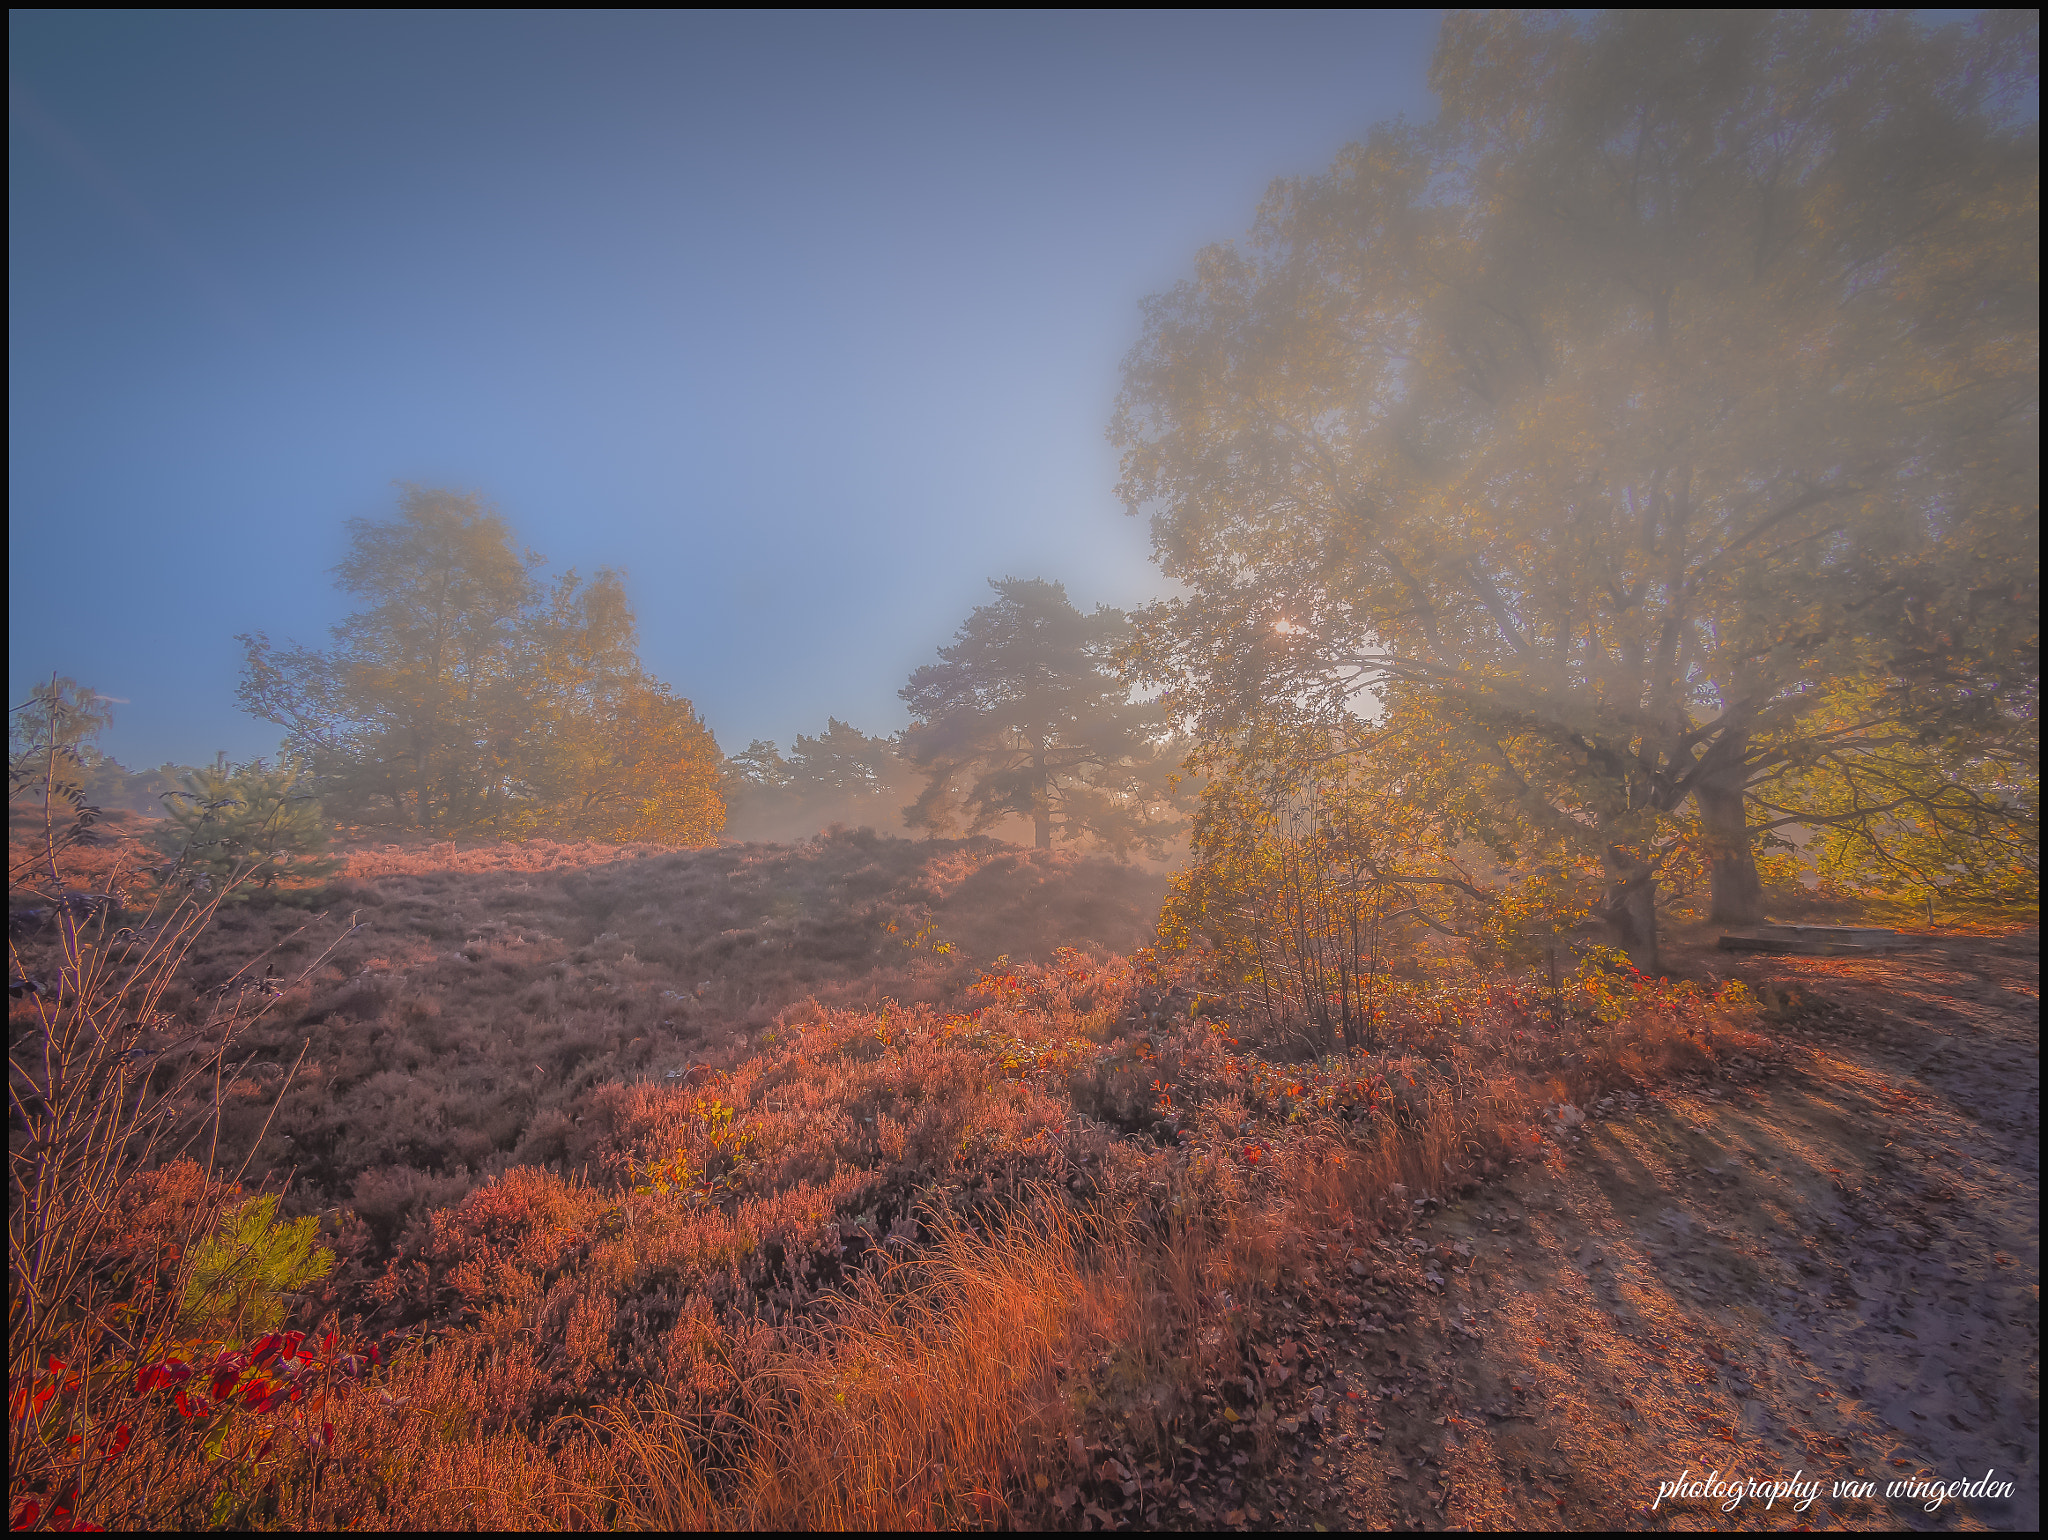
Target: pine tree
1027, 716
254, 825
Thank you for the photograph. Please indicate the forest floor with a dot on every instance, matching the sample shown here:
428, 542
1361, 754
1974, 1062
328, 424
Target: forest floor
1824, 1271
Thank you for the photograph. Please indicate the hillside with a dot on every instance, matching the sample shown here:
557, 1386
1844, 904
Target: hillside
753, 1187
476, 998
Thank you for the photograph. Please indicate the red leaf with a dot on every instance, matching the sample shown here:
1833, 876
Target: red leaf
266, 1347
26, 1515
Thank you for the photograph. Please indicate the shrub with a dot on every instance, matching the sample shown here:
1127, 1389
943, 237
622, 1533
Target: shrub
242, 1274
111, 1075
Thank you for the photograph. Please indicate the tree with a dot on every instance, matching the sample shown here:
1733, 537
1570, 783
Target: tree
1312, 868
637, 764
50, 760
61, 716
1027, 715
243, 1275
466, 697
1678, 383
611, 753
251, 823
842, 776
1900, 824
114, 785
418, 710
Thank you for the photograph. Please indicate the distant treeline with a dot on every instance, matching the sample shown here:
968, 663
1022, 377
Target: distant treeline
472, 696
842, 776
116, 788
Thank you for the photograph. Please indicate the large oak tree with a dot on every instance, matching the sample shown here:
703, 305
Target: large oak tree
1664, 414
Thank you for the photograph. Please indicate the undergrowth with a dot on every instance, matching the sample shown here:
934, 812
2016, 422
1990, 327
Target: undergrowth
990, 1258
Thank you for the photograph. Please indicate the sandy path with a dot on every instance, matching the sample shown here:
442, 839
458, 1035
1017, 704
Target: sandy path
1832, 1268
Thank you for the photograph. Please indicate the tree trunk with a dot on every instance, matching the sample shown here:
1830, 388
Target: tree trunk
1043, 823
1736, 890
1630, 907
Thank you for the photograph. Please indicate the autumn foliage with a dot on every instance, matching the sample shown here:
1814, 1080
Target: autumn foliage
468, 696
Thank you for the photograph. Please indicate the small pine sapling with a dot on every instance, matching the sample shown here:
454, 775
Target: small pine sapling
242, 1273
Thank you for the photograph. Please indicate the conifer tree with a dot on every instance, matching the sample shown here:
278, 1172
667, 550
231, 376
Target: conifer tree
841, 776
1027, 715
253, 823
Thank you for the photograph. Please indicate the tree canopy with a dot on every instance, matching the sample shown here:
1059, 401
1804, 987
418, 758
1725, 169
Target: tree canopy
467, 696
1660, 423
1027, 715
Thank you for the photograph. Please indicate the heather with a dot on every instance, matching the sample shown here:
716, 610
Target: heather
858, 1228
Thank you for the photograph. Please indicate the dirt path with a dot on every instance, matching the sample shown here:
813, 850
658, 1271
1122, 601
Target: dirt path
1831, 1267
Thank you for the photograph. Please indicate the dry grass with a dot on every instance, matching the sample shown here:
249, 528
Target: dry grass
367, 858
918, 1401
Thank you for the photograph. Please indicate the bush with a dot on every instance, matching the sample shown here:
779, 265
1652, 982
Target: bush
118, 1413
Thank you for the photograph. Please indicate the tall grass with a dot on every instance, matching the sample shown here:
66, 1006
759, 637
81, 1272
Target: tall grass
924, 1399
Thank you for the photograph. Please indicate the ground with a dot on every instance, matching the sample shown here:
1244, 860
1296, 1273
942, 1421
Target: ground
1821, 1266
1829, 1267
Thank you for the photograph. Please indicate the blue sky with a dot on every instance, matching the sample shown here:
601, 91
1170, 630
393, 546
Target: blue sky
809, 322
